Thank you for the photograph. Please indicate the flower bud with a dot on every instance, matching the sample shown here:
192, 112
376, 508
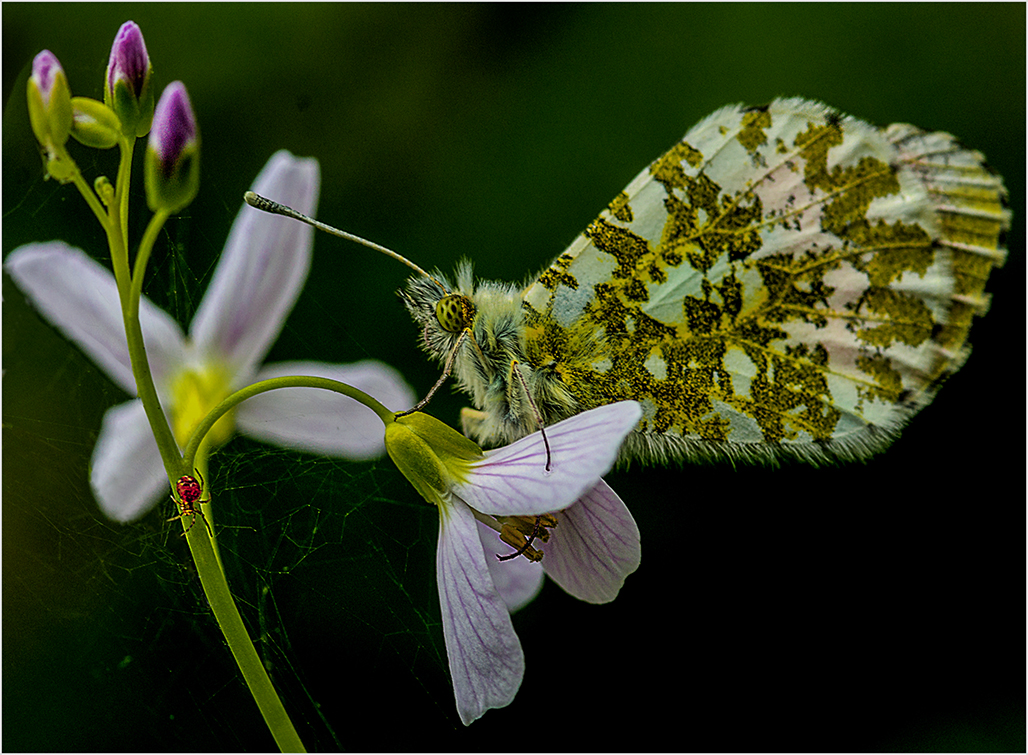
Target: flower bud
104, 189
49, 99
94, 124
127, 89
172, 162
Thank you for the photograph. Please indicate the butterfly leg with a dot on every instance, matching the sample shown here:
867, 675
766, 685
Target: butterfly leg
515, 370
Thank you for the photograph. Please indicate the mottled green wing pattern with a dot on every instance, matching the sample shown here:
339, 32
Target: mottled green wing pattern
785, 281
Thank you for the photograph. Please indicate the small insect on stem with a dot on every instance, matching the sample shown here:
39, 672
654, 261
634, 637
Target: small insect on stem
525, 547
190, 493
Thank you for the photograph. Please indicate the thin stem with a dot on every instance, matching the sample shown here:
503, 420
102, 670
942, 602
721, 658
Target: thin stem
90, 197
117, 226
126, 145
115, 239
293, 381
207, 507
202, 546
143, 255
208, 564
141, 365
215, 587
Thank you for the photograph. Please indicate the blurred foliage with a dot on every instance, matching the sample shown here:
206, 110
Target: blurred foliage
882, 609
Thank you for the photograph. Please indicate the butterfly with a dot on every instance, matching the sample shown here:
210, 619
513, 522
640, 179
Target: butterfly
785, 282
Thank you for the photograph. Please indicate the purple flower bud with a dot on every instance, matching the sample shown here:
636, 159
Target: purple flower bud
45, 68
174, 124
50, 112
127, 89
129, 60
172, 163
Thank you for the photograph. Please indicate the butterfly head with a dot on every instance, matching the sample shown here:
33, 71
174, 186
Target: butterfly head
442, 314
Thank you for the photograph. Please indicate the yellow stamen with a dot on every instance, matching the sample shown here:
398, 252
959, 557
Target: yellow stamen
519, 532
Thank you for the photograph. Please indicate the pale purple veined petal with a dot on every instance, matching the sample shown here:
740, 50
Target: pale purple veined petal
321, 421
80, 298
127, 475
485, 656
262, 269
513, 480
518, 580
594, 546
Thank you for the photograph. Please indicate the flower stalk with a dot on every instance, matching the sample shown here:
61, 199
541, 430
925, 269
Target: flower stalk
172, 180
271, 384
202, 547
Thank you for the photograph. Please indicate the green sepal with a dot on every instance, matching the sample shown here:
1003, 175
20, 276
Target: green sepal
135, 114
429, 453
51, 123
449, 444
172, 189
416, 460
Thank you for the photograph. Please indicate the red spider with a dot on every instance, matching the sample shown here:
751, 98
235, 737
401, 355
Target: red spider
189, 493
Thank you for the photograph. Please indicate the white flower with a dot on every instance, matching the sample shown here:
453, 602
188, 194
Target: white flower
257, 281
581, 533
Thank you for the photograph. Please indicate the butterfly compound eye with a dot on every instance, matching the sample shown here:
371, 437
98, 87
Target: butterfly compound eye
454, 313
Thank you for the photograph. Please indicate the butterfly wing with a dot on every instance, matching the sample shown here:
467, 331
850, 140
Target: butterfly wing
785, 281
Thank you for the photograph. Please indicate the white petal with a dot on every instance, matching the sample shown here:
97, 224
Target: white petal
594, 546
127, 477
323, 421
80, 298
518, 580
486, 661
513, 480
262, 269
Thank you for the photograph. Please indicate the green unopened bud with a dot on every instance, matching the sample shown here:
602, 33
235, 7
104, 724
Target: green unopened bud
50, 113
104, 189
429, 453
127, 89
172, 162
94, 124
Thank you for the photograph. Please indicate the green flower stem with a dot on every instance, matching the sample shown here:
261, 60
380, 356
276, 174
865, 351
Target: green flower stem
202, 547
297, 381
208, 563
114, 220
219, 597
143, 255
206, 507
125, 145
141, 365
115, 239
90, 197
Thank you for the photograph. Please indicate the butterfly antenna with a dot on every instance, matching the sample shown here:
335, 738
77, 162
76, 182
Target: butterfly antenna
267, 205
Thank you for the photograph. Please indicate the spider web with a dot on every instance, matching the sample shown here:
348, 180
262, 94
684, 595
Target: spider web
331, 562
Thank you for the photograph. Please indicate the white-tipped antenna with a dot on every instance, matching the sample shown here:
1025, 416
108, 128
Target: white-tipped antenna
263, 203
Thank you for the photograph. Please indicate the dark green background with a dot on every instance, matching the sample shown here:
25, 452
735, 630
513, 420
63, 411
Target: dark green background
863, 608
